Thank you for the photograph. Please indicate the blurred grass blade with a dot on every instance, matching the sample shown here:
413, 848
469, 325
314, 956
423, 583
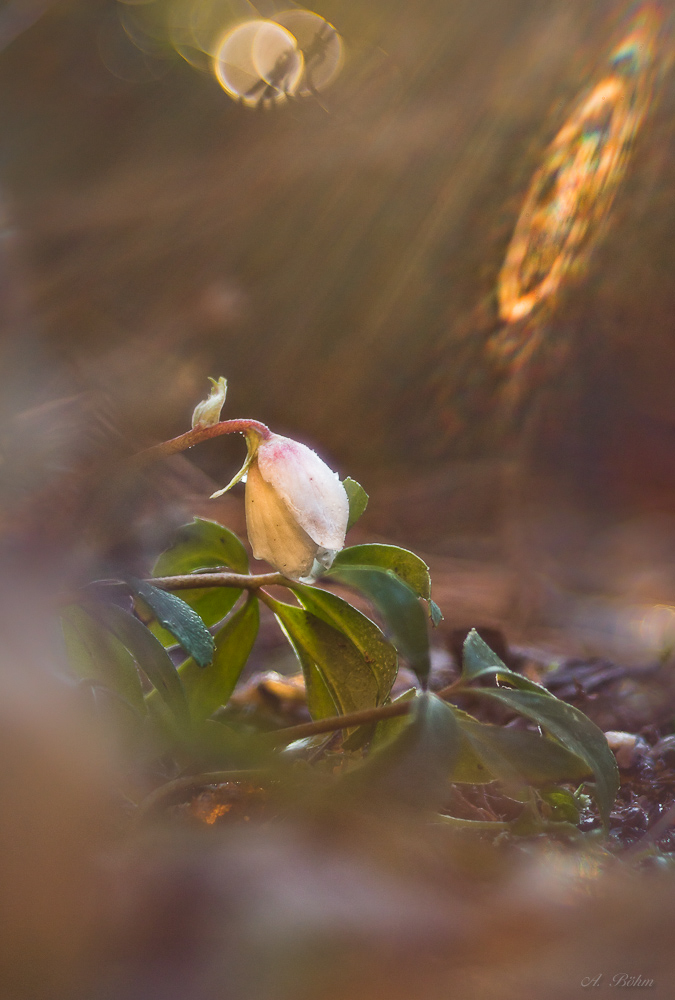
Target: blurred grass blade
96, 654
378, 653
401, 611
148, 653
358, 500
178, 618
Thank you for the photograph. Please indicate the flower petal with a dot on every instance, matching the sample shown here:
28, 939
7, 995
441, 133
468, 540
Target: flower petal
312, 492
273, 531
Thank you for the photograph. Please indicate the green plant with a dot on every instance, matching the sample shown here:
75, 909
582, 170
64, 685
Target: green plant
406, 751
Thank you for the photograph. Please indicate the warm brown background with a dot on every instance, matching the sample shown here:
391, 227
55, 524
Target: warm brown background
339, 266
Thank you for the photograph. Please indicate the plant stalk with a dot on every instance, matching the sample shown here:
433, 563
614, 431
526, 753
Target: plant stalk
351, 719
199, 434
193, 581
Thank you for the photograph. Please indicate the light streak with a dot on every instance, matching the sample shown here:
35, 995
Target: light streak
573, 190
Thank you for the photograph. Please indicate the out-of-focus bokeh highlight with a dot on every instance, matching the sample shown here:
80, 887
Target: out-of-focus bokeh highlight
572, 191
569, 199
257, 60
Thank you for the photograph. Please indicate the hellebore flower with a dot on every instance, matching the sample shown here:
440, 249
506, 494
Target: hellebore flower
296, 507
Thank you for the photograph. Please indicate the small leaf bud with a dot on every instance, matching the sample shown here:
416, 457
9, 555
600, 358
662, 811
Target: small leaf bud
207, 412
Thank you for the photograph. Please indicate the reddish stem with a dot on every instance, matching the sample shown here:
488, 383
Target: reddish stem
199, 434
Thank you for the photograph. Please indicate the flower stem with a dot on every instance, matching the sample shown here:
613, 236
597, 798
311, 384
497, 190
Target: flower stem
199, 434
192, 581
351, 719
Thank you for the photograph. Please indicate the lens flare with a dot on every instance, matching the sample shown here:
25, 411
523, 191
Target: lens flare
320, 45
573, 190
296, 54
258, 62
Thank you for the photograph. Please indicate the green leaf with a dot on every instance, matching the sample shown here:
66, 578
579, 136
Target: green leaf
203, 545
412, 768
514, 755
319, 700
397, 603
95, 653
148, 653
392, 578
570, 727
486, 752
479, 660
567, 724
435, 614
358, 500
207, 688
377, 652
378, 734
562, 803
406, 565
388, 729
178, 618
350, 680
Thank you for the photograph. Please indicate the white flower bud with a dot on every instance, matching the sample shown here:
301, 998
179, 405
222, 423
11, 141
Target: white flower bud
207, 412
296, 507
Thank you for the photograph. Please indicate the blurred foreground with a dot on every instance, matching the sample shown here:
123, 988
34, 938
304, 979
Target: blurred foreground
284, 893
